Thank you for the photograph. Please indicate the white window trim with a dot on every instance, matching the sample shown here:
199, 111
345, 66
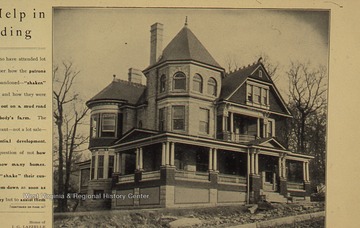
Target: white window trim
262, 88
102, 122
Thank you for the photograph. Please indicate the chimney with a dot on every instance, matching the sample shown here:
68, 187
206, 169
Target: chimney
135, 75
156, 42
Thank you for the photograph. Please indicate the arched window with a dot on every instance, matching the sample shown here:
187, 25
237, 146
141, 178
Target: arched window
162, 83
198, 83
212, 87
179, 81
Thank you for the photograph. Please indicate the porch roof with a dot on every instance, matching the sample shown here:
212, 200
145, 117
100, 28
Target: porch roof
143, 137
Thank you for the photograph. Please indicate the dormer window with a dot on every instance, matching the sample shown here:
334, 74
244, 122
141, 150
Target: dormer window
198, 83
162, 83
179, 81
212, 87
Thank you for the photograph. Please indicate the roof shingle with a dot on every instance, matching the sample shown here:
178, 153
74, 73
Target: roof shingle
120, 90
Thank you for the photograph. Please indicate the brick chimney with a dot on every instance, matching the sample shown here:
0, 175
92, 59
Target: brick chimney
135, 75
156, 42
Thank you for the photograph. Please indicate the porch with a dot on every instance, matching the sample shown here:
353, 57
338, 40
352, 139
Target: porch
240, 128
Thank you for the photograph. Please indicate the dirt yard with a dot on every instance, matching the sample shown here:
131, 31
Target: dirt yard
208, 217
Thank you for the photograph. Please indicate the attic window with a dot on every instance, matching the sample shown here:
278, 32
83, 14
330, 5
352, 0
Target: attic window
260, 73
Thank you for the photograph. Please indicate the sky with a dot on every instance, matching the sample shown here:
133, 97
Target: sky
101, 42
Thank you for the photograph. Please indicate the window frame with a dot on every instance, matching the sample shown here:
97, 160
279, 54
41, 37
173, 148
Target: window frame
177, 119
259, 100
162, 119
94, 128
206, 122
100, 167
179, 76
212, 83
198, 83
162, 83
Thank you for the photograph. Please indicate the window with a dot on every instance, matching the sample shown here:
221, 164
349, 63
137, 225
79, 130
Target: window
93, 167
264, 94
212, 87
162, 83
260, 73
257, 94
270, 129
179, 118
94, 126
204, 120
249, 92
257, 97
111, 166
179, 81
198, 83
108, 125
162, 119
100, 172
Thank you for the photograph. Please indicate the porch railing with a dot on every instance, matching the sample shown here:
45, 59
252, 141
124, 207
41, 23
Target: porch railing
127, 178
224, 178
153, 175
295, 185
191, 175
234, 137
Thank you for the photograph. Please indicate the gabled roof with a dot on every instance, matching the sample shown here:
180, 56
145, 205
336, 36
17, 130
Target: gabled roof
120, 91
234, 80
267, 142
186, 46
230, 88
135, 134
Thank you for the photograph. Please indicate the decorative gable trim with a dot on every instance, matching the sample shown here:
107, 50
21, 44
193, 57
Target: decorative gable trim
135, 131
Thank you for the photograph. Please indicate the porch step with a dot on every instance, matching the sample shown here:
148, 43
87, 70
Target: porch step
274, 197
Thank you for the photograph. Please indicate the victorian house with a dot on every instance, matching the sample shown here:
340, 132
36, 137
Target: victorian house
193, 135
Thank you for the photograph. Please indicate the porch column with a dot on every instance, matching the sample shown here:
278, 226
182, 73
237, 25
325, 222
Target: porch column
252, 163
223, 123
172, 154
119, 162
215, 159
307, 171
257, 162
163, 154
232, 126
210, 159
137, 158
167, 154
258, 128
248, 163
284, 167
279, 168
304, 171
141, 161
115, 163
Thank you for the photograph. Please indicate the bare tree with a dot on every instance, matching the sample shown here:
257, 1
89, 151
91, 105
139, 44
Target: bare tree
68, 116
307, 91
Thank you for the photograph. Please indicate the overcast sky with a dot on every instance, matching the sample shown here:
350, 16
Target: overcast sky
103, 42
